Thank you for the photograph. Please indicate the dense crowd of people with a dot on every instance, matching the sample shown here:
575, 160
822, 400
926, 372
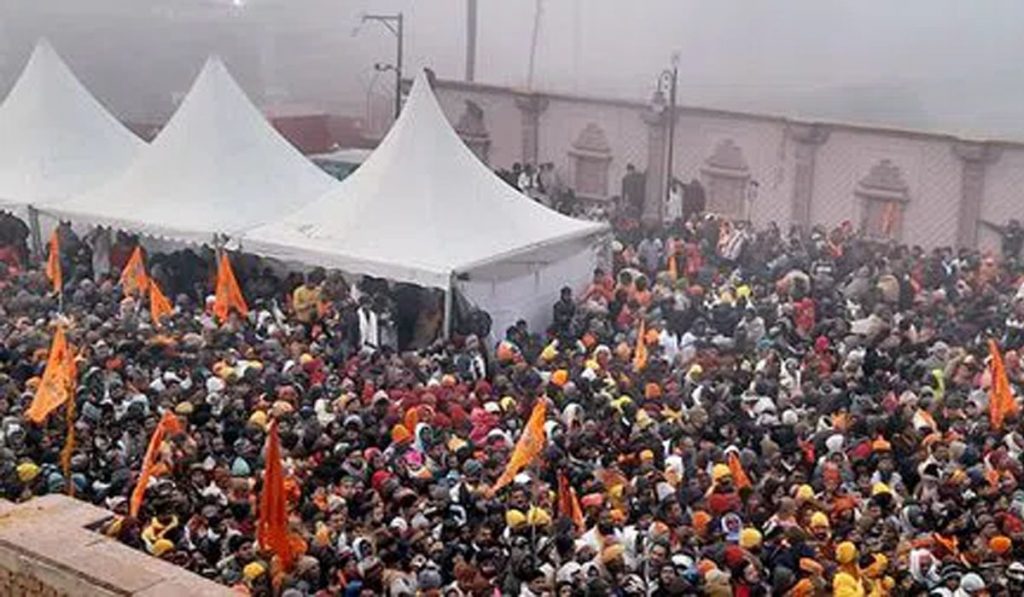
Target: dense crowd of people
729, 411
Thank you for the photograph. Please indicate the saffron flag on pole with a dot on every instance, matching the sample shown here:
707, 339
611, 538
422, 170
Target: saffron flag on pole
58, 380
739, 476
159, 306
53, 270
640, 353
133, 277
568, 504
272, 526
169, 425
528, 448
1000, 398
228, 295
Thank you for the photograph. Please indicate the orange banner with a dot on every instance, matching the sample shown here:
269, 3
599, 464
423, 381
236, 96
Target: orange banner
1000, 398
53, 270
272, 526
228, 295
528, 448
159, 306
133, 277
168, 425
58, 380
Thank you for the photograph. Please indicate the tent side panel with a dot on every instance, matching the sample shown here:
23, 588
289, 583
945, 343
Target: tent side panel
530, 294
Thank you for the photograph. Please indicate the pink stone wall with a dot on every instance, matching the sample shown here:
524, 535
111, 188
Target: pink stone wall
563, 121
1004, 194
501, 118
764, 148
929, 166
927, 162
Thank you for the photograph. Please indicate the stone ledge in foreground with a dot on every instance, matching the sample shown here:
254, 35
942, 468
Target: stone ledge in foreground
47, 550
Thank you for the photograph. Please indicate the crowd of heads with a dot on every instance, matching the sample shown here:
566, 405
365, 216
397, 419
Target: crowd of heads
809, 416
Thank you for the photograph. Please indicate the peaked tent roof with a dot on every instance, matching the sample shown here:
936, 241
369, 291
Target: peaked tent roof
217, 167
56, 140
421, 208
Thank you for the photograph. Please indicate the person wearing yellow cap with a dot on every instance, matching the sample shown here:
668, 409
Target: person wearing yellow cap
253, 570
847, 580
400, 434
559, 378
537, 517
750, 539
514, 519
820, 527
27, 472
258, 419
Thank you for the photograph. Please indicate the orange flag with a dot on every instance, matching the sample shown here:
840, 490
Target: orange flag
159, 306
228, 295
568, 505
168, 425
528, 448
739, 476
272, 526
889, 219
1000, 398
58, 380
53, 271
640, 354
133, 277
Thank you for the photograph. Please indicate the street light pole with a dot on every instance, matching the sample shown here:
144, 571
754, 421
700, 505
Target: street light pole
395, 24
669, 78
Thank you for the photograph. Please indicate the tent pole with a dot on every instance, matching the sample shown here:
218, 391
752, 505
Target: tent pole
35, 234
449, 295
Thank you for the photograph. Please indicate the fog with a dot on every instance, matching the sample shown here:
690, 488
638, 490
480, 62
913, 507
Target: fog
941, 65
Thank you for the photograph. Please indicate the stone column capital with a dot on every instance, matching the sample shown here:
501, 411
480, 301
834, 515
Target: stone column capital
983, 153
532, 103
808, 133
654, 118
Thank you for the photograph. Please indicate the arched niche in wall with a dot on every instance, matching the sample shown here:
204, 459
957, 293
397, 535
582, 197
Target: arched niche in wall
726, 179
473, 130
591, 157
882, 197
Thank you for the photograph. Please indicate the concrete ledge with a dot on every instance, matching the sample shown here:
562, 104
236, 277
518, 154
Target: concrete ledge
46, 549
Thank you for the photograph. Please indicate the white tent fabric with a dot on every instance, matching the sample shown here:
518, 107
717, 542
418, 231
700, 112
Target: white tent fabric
56, 140
217, 167
421, 209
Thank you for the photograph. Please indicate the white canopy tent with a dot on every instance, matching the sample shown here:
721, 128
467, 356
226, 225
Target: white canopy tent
216, 168
57, 140
423, 209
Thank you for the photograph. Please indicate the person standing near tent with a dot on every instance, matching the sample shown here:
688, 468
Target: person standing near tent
369, 324
306, 300
100, 243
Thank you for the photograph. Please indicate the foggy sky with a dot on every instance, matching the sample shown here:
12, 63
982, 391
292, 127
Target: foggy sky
942, 65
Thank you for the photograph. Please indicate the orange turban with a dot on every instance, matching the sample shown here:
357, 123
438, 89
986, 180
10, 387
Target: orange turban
400, 434
1000, 544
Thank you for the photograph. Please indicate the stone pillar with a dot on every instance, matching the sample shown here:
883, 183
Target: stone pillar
807, 138
975, 159
530, 108
657, 136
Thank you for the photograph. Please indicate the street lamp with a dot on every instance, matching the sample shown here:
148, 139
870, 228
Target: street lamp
667, 83
394, 25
